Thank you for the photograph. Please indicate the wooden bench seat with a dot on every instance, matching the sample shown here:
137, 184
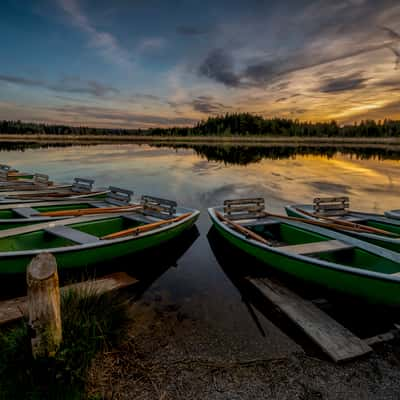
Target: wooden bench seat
25, 212
317, 247
72, 234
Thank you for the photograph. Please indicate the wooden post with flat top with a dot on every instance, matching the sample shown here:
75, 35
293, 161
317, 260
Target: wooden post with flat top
44, 305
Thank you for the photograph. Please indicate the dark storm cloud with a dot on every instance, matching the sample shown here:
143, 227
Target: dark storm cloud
394, 47
218, 66
67, 85
342, 84
352, 24
207, 105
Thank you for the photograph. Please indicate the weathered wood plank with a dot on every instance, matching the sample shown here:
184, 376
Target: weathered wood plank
14, 309
333, 338
244, 201
383, 337
317, 247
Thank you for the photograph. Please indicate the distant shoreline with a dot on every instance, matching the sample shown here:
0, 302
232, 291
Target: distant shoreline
98, 139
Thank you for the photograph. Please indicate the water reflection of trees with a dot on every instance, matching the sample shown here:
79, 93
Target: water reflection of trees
243, 155
246, 154
22, 146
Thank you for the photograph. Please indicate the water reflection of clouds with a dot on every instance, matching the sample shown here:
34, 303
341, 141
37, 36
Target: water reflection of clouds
331, 187
183, 175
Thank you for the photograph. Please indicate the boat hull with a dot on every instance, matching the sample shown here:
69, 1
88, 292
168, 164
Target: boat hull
370, 289
80, 258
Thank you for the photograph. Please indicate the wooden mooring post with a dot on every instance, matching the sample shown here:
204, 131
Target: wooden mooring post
44, 305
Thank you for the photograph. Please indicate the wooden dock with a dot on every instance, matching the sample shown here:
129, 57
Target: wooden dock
14, 309
333, 338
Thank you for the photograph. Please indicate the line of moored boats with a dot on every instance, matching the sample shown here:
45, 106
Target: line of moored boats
325, 242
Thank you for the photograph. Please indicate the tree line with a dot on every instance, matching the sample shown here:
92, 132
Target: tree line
224, 125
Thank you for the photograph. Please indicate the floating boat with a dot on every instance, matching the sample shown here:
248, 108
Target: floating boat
39, 181
81, 188
334, 212
8, 173
90, 239
15, 215
311, 253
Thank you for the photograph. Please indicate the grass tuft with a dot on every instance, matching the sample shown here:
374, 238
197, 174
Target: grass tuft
91, 322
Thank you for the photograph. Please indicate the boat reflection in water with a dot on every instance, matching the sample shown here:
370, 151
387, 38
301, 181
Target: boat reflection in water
354, 315
146, 266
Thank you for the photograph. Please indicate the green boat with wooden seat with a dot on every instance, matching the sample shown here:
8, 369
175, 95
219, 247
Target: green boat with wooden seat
310, 252
90, 239
80, 188
39, 181
16, 215
334, 211
12, 174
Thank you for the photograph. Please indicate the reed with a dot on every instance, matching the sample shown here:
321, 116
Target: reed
91, 322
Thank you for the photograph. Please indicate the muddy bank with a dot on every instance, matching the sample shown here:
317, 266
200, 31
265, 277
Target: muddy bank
171, 355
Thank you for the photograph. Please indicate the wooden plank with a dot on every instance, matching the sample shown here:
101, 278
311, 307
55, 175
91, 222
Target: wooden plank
244, 216
145, 228
383, 337
74, 235
333, 338
25, 212
331, 199
244, 231
249, 208
15, 309
244, 201
317, 247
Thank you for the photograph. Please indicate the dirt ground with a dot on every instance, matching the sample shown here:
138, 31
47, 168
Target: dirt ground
169, 355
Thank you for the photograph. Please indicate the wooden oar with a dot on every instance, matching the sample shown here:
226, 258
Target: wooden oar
89, 211
50, 194
242, 229
349, 224
145, 228
330, 225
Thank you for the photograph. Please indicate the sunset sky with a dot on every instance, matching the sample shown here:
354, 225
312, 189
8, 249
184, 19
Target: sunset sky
143, 63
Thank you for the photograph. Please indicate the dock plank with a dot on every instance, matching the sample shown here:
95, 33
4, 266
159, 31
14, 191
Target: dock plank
14, 309
333, 338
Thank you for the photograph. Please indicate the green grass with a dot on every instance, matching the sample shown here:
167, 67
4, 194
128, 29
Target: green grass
91, 323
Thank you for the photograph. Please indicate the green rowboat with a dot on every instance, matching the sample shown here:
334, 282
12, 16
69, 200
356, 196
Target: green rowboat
16, 215
78, 242
8, 173
80, 188
316, 255
361, 219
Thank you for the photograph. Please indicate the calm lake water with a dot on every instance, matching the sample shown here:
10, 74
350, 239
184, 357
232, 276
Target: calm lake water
195, 277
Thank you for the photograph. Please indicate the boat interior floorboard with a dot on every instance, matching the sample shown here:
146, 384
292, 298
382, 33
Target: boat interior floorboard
25, 212
317, 247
